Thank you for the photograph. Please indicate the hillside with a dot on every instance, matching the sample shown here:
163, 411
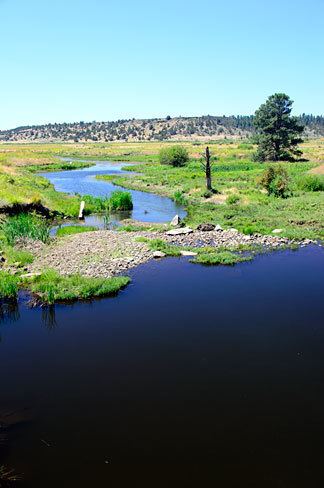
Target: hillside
184, 128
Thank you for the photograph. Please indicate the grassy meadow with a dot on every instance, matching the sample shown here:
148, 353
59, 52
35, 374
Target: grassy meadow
240, 201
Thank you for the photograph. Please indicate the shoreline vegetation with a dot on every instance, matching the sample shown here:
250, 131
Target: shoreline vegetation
239, 202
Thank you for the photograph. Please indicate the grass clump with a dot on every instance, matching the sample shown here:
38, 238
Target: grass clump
25, 225
8, 285
232, 199
51, 287
174, 156
226, 258
160, 245
120, 200
74, 229
17, 257
311, 183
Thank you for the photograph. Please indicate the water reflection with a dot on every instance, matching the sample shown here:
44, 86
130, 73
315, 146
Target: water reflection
9, 311
49, 317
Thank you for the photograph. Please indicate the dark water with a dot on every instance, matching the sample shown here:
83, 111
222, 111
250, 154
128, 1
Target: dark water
192, 376
148, 207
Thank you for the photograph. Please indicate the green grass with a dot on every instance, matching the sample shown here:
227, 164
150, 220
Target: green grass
24, 225
226, 258
17, 257
120, 200
52, 287
8, 285
160, 245
74, 229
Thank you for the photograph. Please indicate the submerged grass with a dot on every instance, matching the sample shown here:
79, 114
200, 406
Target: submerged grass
51, 287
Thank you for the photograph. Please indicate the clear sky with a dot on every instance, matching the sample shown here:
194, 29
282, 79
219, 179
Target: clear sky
72, 60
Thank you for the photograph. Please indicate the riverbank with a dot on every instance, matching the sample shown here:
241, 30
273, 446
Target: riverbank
107, 253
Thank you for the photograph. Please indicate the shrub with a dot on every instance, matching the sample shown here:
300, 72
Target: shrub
311, 183
276, 181
179, 198
174, 155
8, 285
25, 225
120, 200
232, 199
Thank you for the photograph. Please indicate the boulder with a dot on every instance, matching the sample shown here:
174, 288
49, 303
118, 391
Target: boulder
175, 221
218, 227
206, 227
188, 253
158, 254
176, 232
277, 231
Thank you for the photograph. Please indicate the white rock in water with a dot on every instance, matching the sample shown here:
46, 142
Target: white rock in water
176, 232
277, 231
218, 227
158, 254
188, 253
175, 221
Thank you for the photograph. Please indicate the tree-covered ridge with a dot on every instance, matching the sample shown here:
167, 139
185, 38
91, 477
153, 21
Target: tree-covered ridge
207, 126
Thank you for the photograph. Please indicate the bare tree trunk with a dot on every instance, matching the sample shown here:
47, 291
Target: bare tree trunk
208, 170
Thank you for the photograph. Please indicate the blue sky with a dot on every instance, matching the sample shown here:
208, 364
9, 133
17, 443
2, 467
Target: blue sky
77, 60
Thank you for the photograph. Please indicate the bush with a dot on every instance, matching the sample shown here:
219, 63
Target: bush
232, 199
174, 155
25, 225
311, 183
8, 285
276, 181
120, 200
179, 198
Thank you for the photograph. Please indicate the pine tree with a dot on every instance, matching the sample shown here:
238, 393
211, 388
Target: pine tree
278, 132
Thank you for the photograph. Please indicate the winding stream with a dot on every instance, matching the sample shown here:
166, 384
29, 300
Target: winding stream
148, 207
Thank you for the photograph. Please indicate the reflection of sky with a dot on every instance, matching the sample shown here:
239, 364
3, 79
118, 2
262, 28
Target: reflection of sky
148, 207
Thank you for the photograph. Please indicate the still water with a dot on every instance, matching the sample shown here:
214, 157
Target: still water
148, 207
191, 376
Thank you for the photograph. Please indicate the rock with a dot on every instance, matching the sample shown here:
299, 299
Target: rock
158, 254
176, 232
30, 275
188, 253
206, 227
234, 230
175, 221
277, 231
218, 227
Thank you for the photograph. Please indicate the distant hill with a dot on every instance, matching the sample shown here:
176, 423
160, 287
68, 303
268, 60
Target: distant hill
177, 128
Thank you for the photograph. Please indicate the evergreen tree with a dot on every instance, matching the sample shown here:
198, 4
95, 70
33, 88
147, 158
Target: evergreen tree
278, 132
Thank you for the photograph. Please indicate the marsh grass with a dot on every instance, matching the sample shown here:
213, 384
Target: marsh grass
17, 257
225, 258
51, 287
25, 225
74, 229
8, 285
120, 200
